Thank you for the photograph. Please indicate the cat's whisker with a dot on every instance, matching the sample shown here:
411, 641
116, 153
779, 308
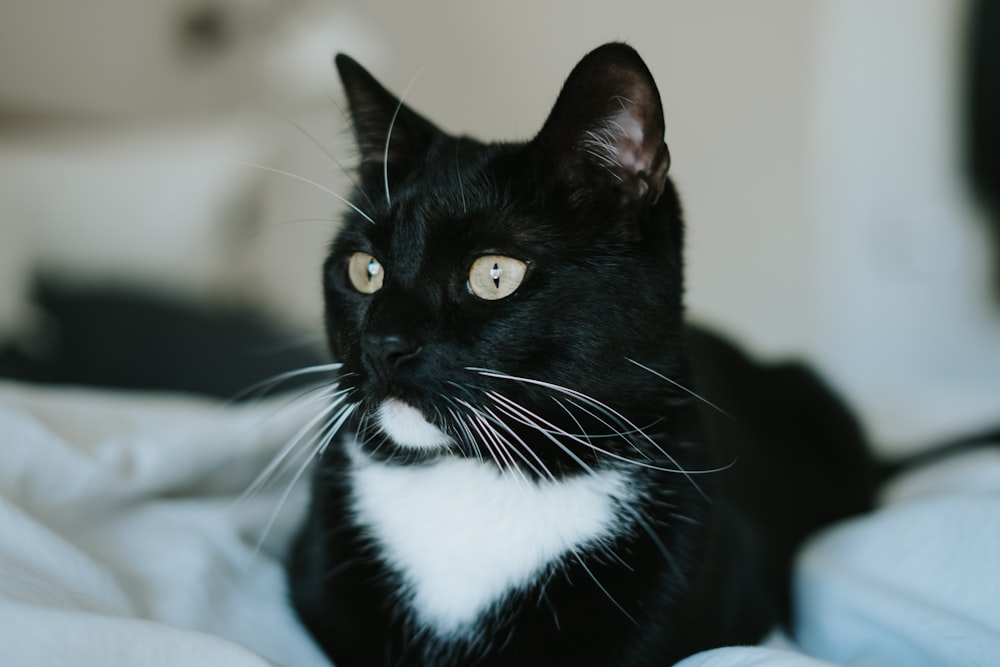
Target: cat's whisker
264, 386
648, 529
316, 142
464, 434
544, 469
338, 423
338, 396
486, 413
499, 447
289, 447
349, 121
494, 443
370, 433
303, 179
582, 563
644, 435
681, 387
618, 416
388, 134
582, 433
470, 438
529, 419
623, 435
507, 450
625, 459
491, 420
602, 415
476, 425
323, 440
512, 409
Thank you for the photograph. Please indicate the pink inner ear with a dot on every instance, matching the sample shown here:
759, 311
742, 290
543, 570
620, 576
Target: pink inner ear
630, 145
616, 144
620, 145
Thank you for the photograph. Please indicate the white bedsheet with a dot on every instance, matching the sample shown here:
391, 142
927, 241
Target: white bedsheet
122, 544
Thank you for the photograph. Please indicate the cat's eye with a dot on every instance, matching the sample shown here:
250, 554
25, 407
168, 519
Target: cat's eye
495, 277
366, 273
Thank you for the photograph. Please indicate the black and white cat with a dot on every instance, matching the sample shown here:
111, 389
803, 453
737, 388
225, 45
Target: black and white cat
531, 476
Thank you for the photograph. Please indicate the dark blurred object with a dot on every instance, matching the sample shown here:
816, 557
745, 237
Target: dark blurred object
206, 29
984, 113
112, 338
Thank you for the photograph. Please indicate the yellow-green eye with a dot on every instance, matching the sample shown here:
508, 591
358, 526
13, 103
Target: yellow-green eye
494, 277
366, 273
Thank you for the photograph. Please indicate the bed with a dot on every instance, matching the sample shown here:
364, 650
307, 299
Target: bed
127, 539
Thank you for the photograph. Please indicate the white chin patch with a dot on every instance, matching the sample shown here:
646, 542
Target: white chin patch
407, 427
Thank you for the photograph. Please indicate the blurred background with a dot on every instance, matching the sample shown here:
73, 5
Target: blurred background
821, 148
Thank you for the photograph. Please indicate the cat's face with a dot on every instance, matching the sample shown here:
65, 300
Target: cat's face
503, 294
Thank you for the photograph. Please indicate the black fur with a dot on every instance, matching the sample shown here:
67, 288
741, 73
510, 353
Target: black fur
587, 204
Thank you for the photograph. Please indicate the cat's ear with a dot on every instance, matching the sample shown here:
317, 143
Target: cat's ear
606, 128
392, 138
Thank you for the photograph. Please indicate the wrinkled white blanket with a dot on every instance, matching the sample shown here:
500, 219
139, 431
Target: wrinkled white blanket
122, 544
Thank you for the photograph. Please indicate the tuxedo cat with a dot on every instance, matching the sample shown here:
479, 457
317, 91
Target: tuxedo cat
542, 464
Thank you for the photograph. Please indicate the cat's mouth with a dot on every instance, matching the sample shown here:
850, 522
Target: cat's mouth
407, 426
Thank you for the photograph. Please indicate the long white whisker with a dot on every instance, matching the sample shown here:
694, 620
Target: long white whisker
302, 179
470, 439
565, 390
326, 437
557, 431
512, 409
476, 425
500, 422
495, 443
508, 450
624, 435
265, 385
278, 461
492, 421
641, 521
607, 593
635, 430
680, 386
325, 150
617, 430
339, 422
388, 136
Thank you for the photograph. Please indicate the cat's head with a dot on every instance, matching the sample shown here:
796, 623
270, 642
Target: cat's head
497, 300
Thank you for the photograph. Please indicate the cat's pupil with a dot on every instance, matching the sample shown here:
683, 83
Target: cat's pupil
495, 275
373, 268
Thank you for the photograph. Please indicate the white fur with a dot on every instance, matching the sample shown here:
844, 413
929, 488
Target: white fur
462, 535
407, 427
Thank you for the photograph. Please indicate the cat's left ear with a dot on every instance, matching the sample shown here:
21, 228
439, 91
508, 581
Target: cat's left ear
392, 138
606, 128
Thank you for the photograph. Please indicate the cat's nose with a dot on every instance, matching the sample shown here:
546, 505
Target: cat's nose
386, 353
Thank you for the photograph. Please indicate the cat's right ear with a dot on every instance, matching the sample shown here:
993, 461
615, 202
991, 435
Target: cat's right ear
392, 138
606, 129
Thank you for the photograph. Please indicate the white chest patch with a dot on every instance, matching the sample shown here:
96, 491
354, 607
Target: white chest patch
461, 535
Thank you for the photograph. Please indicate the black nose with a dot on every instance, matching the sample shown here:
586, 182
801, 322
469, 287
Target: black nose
387, 353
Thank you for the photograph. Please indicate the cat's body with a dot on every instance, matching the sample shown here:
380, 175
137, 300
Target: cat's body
533, 479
